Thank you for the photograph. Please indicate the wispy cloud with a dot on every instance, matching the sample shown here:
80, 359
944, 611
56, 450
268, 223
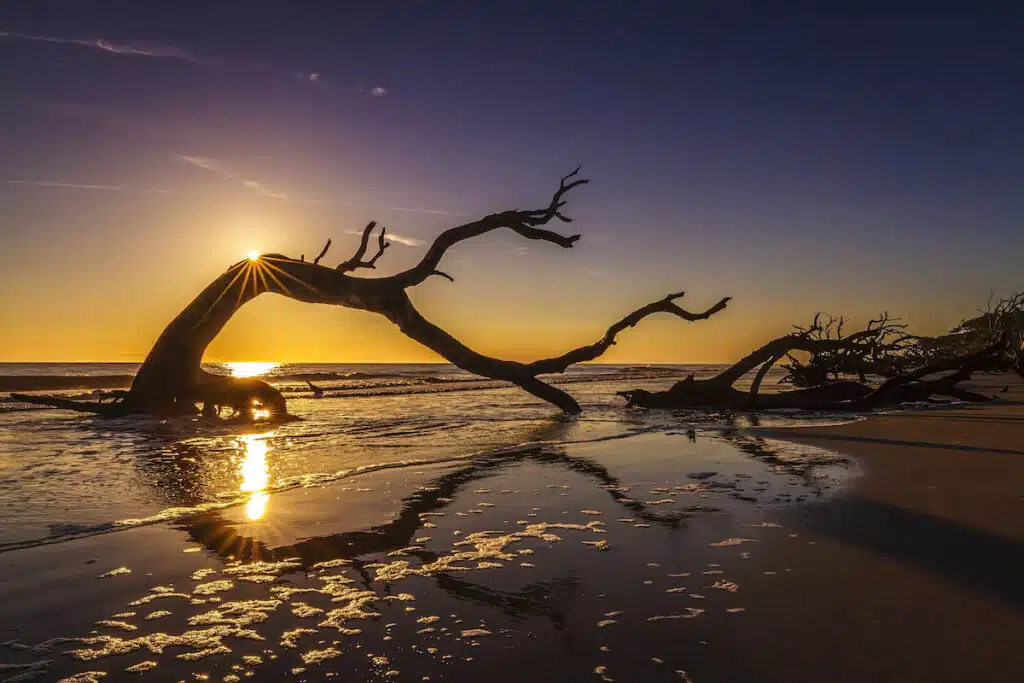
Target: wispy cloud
403, 209
224, 170
207, 163
152, 50
401, 239
437, 212
87, 186
171, 52
218, 167
264, 190
227, 171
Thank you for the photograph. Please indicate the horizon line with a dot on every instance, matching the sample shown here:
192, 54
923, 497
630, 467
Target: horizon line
337, 362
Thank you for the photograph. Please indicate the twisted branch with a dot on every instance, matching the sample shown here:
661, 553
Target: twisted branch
171, 379
356, 260
592, 351
522, 222
412, 323
323, 252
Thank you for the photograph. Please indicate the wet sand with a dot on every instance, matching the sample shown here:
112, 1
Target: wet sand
916, 574
659, 557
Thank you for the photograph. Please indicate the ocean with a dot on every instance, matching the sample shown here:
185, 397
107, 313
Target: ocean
66, 475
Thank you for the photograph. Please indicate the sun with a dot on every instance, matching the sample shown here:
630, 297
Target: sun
254, 255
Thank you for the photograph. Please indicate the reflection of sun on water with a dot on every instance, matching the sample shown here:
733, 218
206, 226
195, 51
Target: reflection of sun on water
257, 505
249, 369
255, 473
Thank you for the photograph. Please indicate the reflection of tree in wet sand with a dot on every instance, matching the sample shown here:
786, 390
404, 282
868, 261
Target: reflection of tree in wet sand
803, 467
236, 602
216, 533
380, 558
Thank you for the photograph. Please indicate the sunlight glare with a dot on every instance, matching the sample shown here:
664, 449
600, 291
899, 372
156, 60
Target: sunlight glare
255, 473
254, 255
257, 505
250, 369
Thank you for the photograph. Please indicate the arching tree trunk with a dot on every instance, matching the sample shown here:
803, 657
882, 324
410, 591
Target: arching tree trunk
171, 380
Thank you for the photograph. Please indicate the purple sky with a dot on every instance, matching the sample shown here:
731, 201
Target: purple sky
796, 162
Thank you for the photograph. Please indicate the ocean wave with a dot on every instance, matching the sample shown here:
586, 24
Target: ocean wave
68, 382
336, 384
348, 376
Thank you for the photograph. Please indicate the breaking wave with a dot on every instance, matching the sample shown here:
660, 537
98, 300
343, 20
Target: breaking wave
292, 379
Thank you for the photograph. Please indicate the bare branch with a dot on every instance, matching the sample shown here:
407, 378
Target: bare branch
356, 260
585, 353
542, 216
444, 275
323, 252
522, 222
782, 346
108, 409
414, 325
964, 367
755, 386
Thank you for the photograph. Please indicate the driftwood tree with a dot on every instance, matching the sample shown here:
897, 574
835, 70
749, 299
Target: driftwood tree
881, 349
171, 380
938, 376
1000, 315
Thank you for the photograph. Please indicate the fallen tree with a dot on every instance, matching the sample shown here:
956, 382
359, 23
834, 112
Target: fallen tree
171, 381
938, 377
883, 348
1000, 316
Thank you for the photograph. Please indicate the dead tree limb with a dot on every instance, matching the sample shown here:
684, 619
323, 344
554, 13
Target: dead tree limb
323, 252
171, 380
357, 259
587, 353
755, 386
522, 222
910, 386
105, 409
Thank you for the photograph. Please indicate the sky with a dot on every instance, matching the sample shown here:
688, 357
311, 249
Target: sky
850, 163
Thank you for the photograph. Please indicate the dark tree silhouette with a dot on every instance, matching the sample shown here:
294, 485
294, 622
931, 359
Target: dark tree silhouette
171, 380
880, 365
939, 376
883, 348
1000, 315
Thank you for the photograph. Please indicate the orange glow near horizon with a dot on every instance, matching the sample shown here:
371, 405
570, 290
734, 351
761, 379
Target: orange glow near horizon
492, 308
250, 368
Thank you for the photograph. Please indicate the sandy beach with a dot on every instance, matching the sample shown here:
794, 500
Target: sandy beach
886, 549
914, 574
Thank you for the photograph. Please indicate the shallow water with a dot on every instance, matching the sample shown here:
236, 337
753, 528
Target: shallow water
64, 475
550, 560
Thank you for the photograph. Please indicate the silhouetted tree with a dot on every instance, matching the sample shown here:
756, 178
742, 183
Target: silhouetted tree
171, 380
881, 351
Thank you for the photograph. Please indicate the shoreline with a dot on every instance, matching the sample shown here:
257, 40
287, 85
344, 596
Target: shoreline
707, 557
